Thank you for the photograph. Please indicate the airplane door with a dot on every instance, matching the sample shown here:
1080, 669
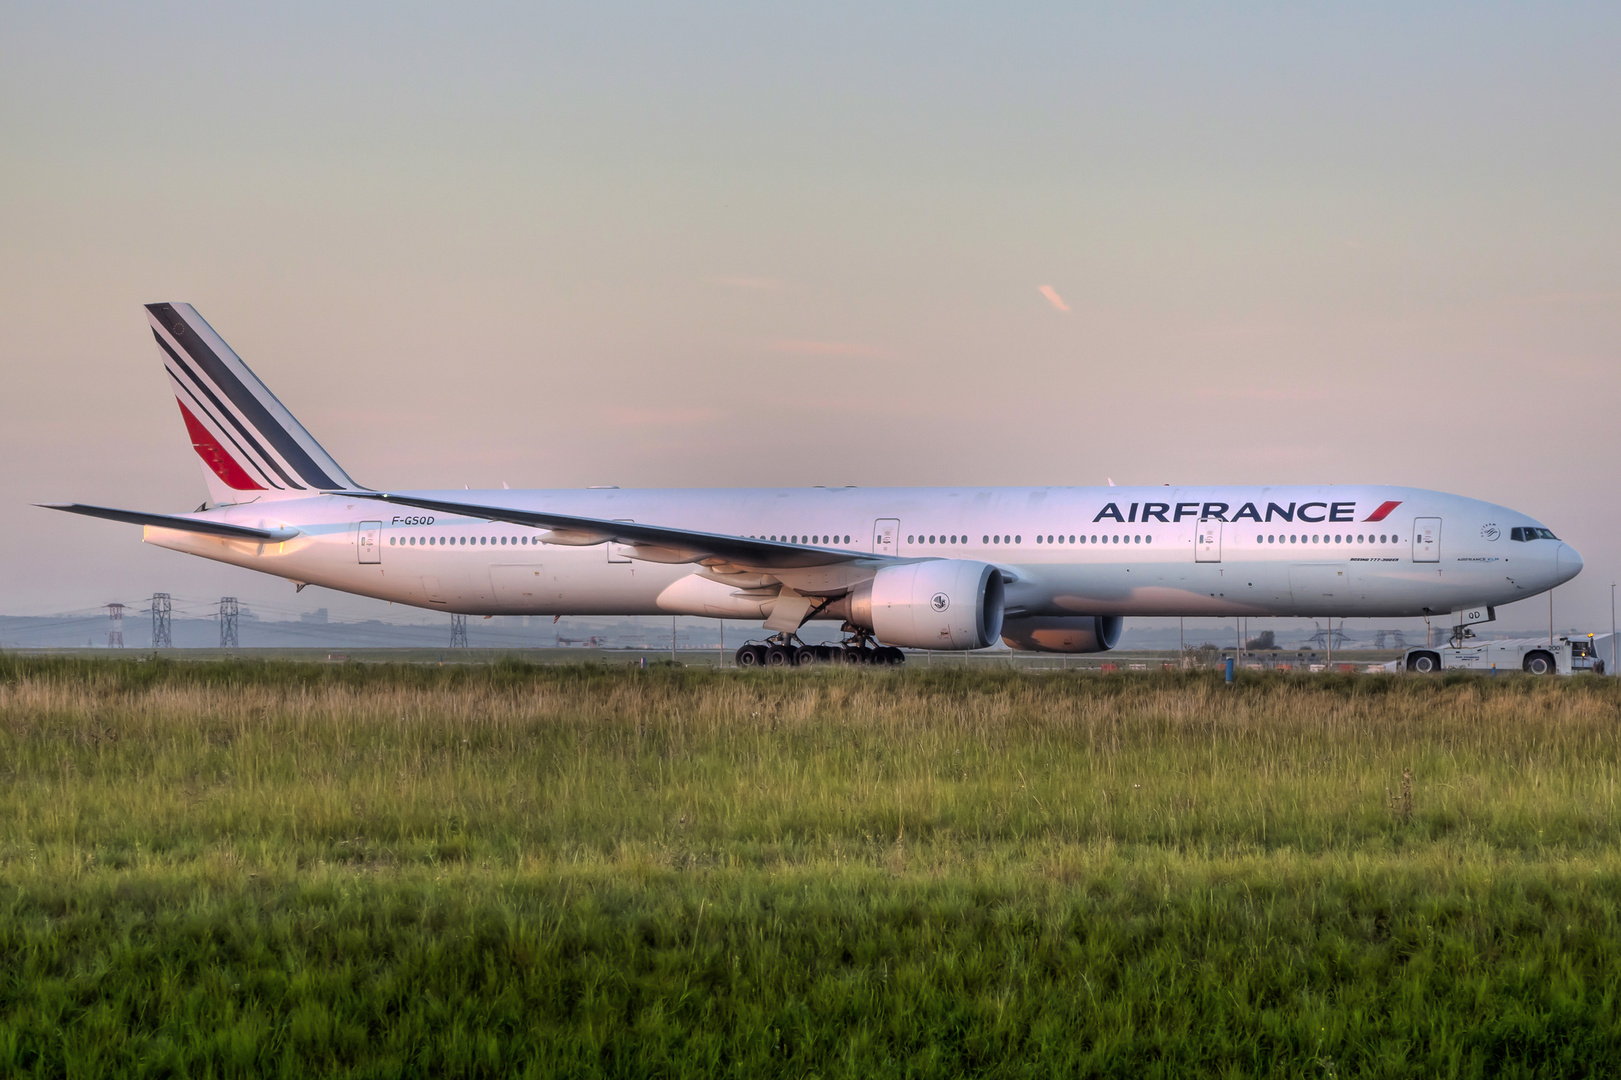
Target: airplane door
1207, 544
619, 552
369, 541
886, 536
1426, 539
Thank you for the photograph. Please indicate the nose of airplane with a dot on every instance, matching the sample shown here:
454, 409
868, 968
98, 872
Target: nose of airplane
1570, 563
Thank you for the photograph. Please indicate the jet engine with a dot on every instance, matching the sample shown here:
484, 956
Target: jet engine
937, 604
1063, 633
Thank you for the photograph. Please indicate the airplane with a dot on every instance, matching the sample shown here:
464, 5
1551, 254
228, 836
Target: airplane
1047, 569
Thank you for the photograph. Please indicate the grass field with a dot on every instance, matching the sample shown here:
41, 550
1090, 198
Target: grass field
246, 868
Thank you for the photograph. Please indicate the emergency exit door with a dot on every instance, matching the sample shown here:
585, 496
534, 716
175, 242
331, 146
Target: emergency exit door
886, 536
369, 541
1207, 544
1427, 540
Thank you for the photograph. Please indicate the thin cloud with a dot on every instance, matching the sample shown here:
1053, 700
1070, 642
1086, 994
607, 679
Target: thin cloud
758, 284
831, 348
1053, 298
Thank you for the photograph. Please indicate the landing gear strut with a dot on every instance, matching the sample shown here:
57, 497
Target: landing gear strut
786, 650
778, 650
862, 648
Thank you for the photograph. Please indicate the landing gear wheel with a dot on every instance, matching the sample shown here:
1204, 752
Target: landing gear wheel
850, 656
1540, 663
751, 656
804, 656
779, 656
892, 656
827, 654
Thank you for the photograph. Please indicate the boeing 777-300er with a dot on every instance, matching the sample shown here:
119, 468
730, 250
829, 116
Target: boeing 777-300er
1052, 569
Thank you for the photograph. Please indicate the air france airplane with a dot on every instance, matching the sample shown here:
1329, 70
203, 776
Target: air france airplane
1053, 569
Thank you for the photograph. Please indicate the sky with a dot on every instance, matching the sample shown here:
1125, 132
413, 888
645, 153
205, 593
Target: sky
909, 244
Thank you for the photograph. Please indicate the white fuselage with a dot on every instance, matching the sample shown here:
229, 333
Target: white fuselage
1305, 551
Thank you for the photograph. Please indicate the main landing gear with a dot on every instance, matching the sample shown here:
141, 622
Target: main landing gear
786, 650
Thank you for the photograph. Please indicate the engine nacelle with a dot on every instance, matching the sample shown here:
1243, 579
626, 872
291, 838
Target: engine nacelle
1063, 633
937, 604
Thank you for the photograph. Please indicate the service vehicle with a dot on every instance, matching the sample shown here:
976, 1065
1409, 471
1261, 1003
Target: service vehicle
1538, 656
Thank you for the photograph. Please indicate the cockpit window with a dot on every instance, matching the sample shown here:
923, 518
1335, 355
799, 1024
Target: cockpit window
1529, 532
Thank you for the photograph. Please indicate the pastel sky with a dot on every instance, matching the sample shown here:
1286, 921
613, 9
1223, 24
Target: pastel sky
643, 245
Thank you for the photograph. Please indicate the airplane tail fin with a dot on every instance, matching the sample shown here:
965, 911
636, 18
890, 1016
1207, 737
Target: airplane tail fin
250, 445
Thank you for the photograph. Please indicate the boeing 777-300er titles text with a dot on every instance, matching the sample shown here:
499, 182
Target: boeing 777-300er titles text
1050, 569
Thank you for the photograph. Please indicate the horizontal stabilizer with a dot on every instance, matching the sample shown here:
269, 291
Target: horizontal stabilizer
174, 521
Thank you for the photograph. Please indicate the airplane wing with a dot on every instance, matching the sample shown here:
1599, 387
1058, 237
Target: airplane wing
173, 521
655, 543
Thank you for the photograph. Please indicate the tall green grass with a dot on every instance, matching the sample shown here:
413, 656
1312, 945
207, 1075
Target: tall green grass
245, 868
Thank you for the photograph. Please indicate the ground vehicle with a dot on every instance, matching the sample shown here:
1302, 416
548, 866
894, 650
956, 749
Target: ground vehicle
1565, 656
